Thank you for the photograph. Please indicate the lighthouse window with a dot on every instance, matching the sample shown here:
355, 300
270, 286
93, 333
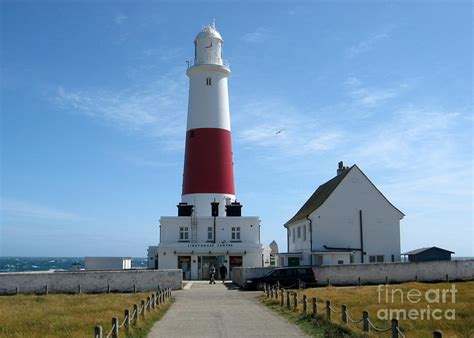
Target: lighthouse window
210, 234
235, 234
183, 234
208, 81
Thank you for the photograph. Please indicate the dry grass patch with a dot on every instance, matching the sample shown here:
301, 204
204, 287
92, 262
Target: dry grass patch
59, 315
363, 298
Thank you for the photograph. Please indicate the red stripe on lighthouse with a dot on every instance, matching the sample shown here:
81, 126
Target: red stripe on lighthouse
208, 166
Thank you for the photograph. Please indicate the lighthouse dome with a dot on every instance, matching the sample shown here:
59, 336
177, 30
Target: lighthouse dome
208, 32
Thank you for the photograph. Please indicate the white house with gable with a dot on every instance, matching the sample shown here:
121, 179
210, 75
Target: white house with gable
346, 220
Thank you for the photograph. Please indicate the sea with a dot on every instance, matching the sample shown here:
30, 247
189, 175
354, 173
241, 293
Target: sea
20, 264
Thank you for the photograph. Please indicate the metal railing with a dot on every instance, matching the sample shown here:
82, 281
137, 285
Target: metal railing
192, 63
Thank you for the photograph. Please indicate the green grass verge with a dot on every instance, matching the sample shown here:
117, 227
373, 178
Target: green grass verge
314, 327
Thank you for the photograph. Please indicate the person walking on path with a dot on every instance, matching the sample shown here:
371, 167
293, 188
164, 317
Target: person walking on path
223, 272
212, 275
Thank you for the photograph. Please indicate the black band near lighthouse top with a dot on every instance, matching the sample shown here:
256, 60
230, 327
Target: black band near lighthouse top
208, 166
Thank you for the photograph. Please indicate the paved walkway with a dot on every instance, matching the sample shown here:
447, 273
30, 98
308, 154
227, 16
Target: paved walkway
204, 310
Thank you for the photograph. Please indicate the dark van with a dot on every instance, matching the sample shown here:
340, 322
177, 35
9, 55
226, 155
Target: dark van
286, 277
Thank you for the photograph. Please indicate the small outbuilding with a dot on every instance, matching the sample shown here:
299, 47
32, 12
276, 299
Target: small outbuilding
428, 254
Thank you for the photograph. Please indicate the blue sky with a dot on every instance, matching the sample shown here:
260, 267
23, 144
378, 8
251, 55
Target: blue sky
94, 102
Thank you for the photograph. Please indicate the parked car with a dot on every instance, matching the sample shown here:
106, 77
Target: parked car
286, 277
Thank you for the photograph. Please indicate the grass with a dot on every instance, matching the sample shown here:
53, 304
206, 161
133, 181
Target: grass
366, 298
315, 327
60, 315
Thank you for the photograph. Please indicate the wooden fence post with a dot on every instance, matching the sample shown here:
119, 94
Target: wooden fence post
127, 319
344, 313
386, 280
148, 303
17, 290
115, 327
143, 307
365, 321
79, 289
98, 332
46, 289
153, 300
305, 305
447, 278
134, 288
328, 310
438, 334
276, 293
268, 291
271, 292
288, 299
135, 310
108, 288
360, 284
282, 297
295, 301
328, 282
315, 307
394, 328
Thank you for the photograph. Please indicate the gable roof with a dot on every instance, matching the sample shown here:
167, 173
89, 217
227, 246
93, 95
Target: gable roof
324, 191
417, 251
318, 197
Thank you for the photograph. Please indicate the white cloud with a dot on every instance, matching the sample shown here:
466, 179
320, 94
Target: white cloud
156, 109
259, 35
11, 208
412, 137
369, 43
276, 125
370, 97
120, 18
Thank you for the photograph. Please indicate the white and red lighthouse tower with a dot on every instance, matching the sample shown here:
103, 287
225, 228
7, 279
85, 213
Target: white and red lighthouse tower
208, 168
209, 229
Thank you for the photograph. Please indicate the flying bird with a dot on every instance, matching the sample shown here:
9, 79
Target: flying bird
280, 131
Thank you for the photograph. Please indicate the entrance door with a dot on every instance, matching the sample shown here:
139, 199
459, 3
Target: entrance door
184, 263
234, 262
206, 262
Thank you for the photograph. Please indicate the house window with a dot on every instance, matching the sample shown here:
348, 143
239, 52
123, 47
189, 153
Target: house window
208, 81
376, 259
235, 234
210, 234
293, 234
340, 261
304, 232
299, 232
183, 234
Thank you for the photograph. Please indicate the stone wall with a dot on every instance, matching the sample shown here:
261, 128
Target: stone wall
90, 281
374, 273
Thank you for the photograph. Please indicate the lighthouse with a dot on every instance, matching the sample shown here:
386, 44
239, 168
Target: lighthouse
208, 167
209, 228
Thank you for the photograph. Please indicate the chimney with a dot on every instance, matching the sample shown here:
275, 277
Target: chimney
340, 167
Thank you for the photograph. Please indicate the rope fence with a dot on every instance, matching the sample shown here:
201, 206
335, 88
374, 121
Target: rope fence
272, 292
150, 303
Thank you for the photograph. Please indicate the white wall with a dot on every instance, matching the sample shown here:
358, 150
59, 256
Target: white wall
249, 228
90, 281
376, 273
